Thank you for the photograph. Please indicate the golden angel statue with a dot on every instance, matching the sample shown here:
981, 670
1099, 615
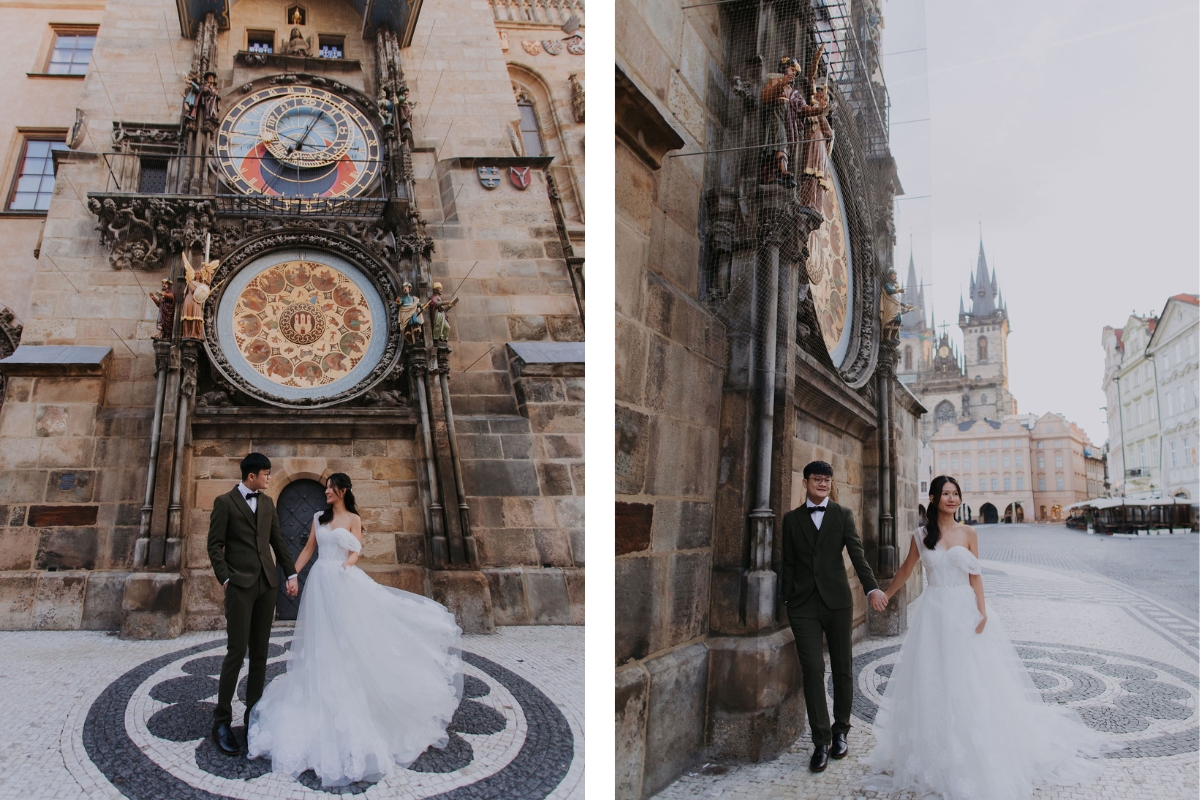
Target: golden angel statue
199, 286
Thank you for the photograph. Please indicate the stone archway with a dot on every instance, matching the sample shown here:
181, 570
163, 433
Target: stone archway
988, 514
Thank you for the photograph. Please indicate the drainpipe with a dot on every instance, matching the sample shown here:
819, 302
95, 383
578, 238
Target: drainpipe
162, 356
467, 552
887, 538
438, 551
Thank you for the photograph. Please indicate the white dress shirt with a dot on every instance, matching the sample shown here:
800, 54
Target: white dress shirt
818, 516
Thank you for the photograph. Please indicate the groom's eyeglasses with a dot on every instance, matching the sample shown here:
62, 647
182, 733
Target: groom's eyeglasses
821, 480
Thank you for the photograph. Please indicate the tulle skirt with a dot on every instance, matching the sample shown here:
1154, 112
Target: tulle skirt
962, 720
373, 679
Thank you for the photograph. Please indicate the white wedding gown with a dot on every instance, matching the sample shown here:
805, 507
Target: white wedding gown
373, 677
961, 719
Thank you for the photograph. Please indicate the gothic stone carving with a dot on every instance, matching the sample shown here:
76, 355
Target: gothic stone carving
142, 231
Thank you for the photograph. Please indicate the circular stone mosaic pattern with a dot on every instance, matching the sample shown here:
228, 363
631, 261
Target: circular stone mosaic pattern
149, 734
1147, 705
302, 324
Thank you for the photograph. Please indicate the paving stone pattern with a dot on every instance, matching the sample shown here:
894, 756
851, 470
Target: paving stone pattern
132, 719
1120, 654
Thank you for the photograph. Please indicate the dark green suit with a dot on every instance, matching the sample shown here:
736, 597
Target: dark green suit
243, 546
819, 601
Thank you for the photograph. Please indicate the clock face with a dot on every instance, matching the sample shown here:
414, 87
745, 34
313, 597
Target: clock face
831, 271
943, 351
298, 141
300, 326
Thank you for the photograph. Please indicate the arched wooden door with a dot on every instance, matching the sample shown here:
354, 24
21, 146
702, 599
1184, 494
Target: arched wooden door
989, 514
298, 501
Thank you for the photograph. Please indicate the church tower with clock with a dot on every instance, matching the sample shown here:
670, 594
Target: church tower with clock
347, 234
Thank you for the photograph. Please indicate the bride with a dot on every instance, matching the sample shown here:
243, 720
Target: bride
373, 677
961, 718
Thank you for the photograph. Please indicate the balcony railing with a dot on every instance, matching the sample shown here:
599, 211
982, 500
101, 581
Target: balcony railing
271, 188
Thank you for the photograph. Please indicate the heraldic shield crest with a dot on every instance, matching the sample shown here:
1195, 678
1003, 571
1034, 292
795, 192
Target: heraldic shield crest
519, 177
489, 177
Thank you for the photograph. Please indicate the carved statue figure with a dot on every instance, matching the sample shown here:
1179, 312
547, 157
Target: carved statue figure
406, 111
297, 45
577, 91
198, 289
297, 16
387, 109
191, 96
441, 327
890, 309
781, 128
165, 300
817, 138
410, 318
210, 99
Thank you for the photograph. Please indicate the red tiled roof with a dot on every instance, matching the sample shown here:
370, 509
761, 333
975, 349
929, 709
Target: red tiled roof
1186, 298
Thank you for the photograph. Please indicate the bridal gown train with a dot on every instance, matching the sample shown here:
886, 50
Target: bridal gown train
961, 719
373, 677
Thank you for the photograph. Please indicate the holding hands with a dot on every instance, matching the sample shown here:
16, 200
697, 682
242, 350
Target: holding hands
293, 586
878, 599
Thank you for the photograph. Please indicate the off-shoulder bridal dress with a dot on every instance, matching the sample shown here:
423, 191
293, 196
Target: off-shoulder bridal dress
961, 719
373, 677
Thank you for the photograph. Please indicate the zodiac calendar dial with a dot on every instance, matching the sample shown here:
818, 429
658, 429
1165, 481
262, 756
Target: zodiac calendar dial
302, 324
298, 141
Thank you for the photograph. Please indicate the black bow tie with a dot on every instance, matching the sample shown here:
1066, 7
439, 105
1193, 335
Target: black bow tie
252, 496
815, 509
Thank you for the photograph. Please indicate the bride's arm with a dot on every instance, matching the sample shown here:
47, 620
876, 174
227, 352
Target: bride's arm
977, 580
309, 546
904, 572
356, 529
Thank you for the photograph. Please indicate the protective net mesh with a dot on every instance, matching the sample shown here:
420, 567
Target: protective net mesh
795, 156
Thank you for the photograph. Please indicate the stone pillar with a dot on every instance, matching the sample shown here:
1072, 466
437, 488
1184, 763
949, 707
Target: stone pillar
439, 552
470, 553
189, 350
887, 535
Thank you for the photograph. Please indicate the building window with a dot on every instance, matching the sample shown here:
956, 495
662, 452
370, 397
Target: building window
1020, 460
1058, 460
983, 462
992, 460
924, 486
954, 463
1182, 398
983, 484
35, 182
1142, 454
982, 345
908, 356
72, 51
153, 177
1173, 462
331, 46
1005, 460
260, 41
1039, 445
942, 464
531, 133
995, 485
1041, 484
1020, 482
1007, 484
1058, 483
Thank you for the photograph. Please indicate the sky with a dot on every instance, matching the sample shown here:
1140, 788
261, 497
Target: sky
1068, 132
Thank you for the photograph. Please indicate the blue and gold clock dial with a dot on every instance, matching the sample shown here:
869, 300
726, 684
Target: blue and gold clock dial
298, 141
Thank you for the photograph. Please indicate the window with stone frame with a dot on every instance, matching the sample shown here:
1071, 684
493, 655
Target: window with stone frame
33, 184
1020, 482
945, 412
1042, 488
331, 46
72, 50
531, 132
260, 41
1059, 483
982, 346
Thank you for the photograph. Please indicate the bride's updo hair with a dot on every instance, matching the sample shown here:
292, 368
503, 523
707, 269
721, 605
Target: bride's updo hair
340, 480
932, 534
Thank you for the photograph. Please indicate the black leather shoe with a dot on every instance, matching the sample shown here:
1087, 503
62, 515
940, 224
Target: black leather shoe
820, 758
840, 749
226, 742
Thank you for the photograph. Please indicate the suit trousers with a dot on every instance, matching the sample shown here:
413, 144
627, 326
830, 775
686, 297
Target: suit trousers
836, 626
249, 612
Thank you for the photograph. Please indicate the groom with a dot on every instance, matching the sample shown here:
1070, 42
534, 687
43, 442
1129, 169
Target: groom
242, 533
818, 598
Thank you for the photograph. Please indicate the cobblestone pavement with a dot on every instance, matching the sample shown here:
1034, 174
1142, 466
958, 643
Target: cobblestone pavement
1122, 654
87, 715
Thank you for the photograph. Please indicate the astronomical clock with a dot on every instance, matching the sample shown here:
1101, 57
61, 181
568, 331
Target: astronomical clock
296, 324
831, 272
298, 141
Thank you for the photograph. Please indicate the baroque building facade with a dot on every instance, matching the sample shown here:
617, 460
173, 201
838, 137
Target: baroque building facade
1150, 382
755, 333
299, 176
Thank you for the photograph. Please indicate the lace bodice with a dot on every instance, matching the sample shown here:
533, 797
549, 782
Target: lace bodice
335, 543
946, 567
